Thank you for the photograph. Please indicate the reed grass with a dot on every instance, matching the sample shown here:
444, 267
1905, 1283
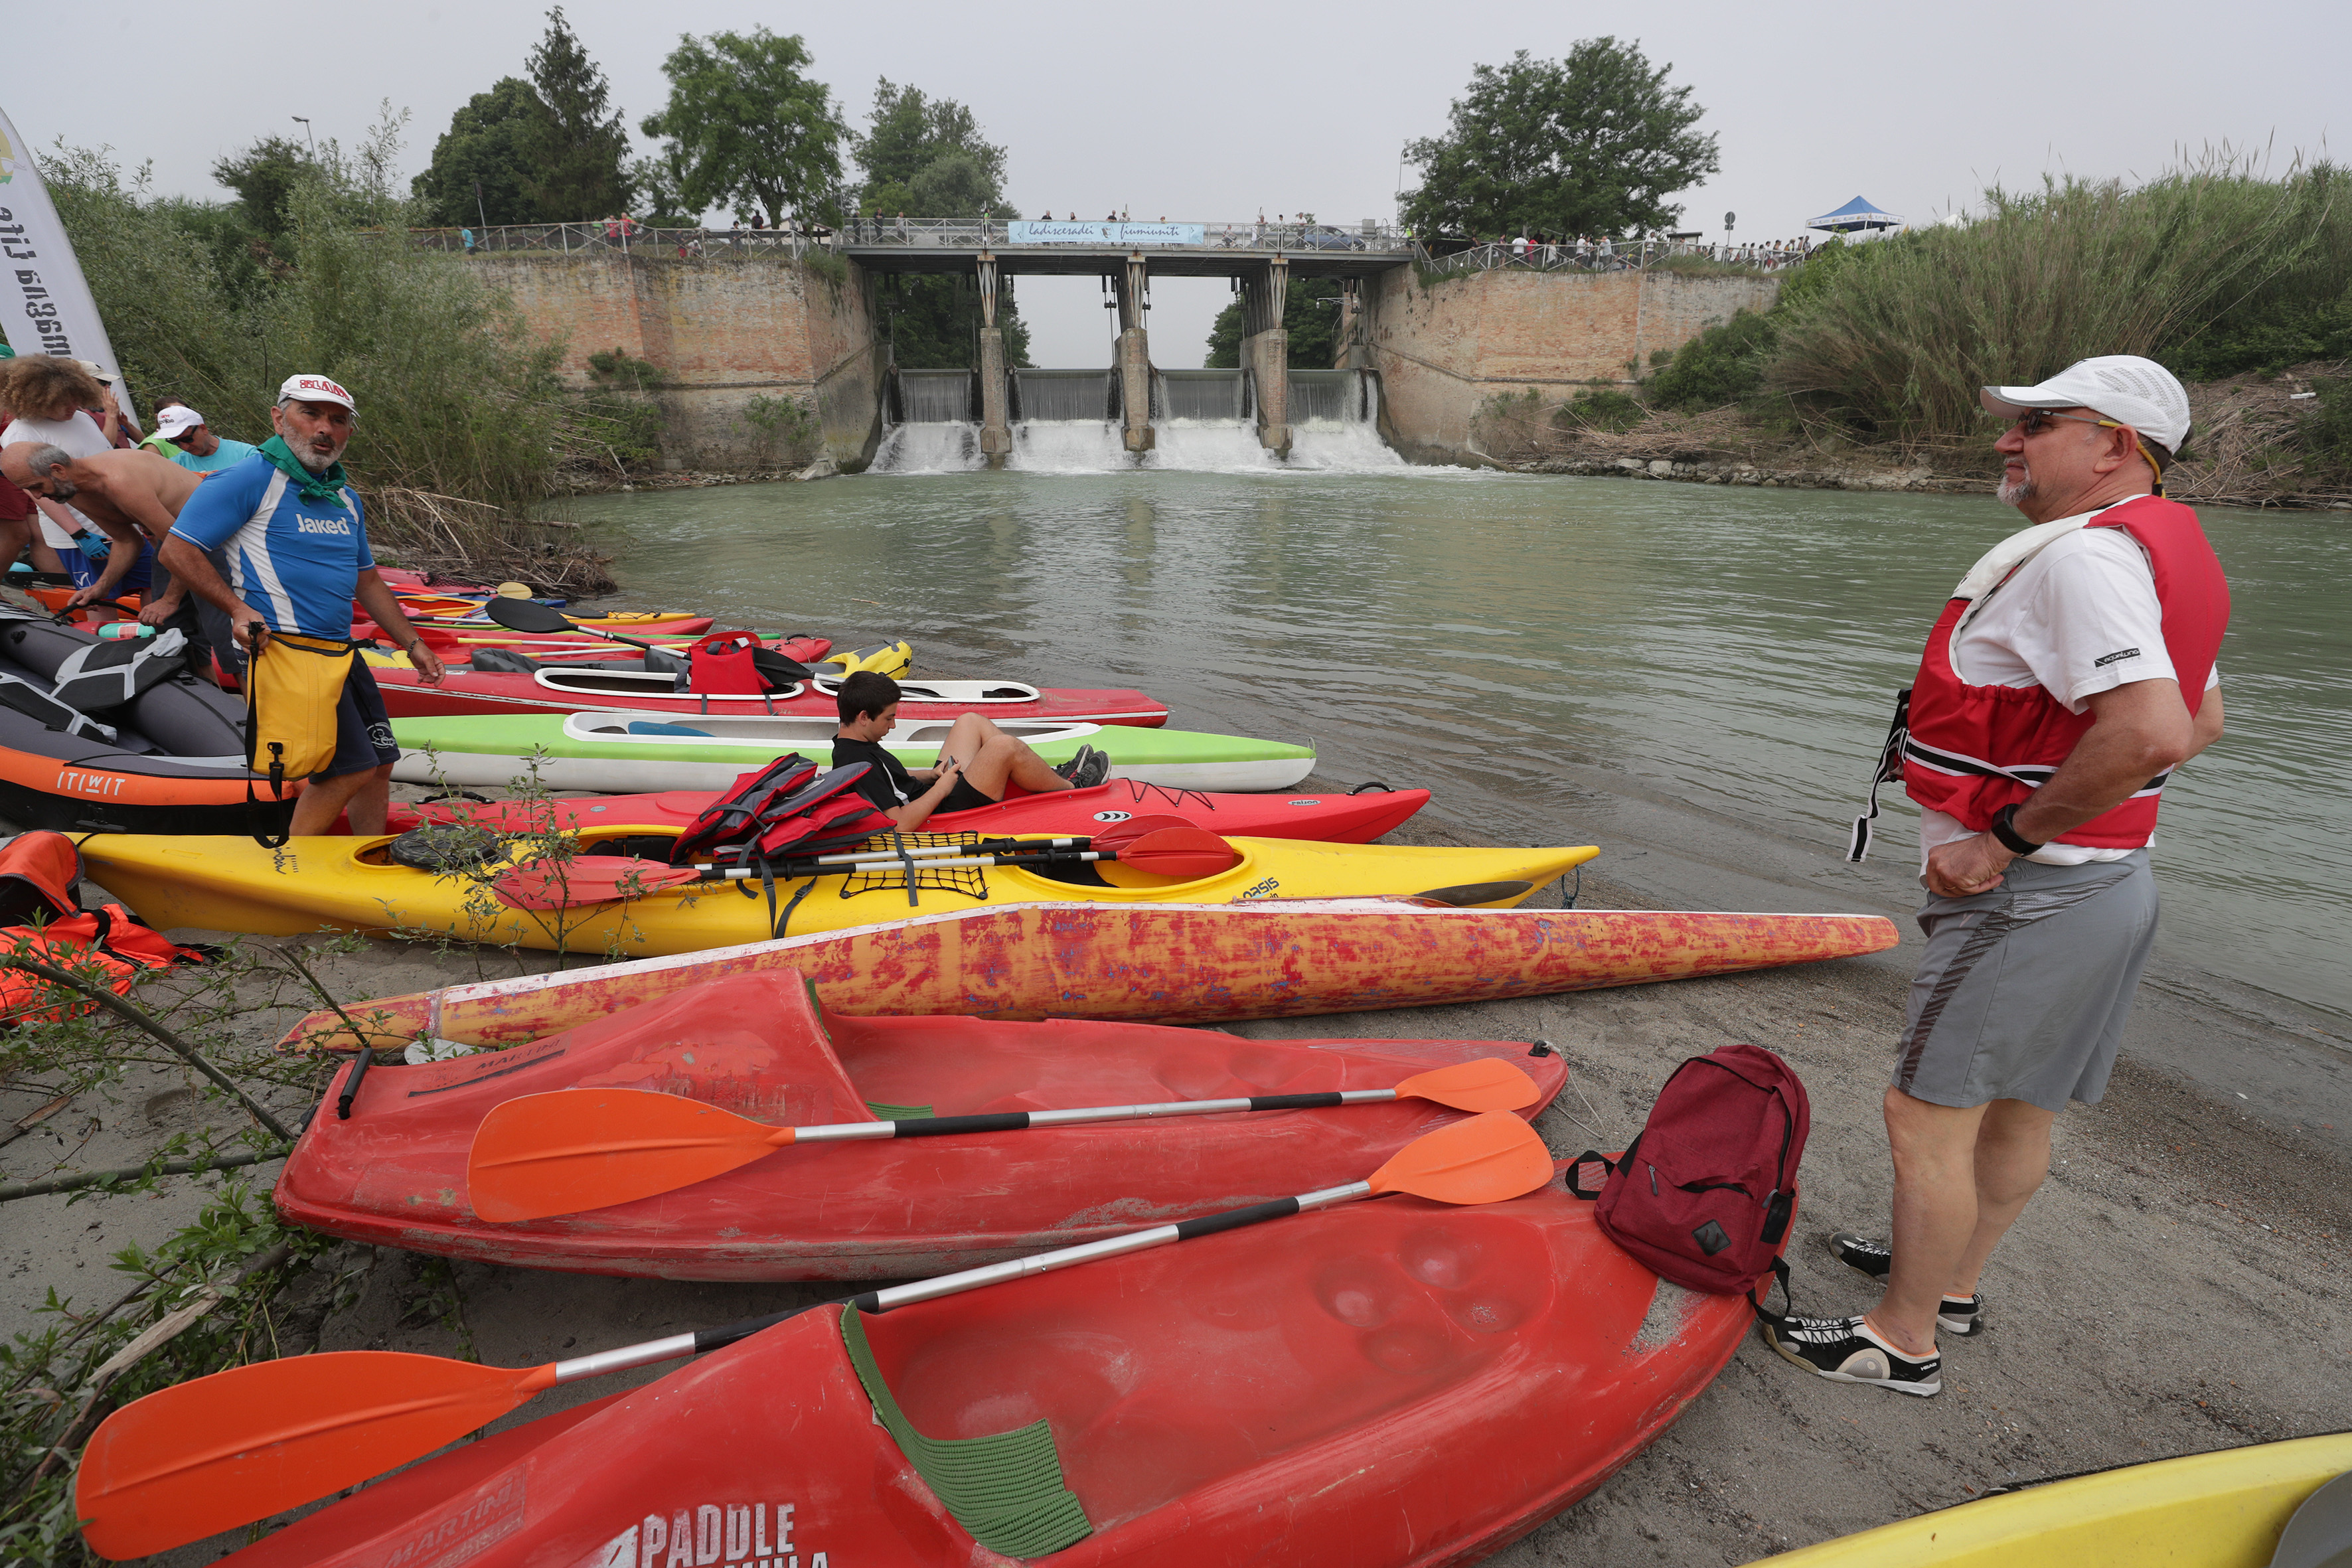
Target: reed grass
1894, 340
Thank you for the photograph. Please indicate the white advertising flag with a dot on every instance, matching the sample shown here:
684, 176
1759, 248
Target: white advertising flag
45, 306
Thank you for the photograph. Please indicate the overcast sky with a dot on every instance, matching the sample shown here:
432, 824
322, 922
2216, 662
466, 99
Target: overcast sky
1212, 110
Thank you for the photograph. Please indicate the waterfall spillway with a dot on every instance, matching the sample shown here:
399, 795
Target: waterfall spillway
1067, 422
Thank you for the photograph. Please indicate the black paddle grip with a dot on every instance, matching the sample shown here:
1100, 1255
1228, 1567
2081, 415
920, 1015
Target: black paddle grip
1294, 1101
351, 1084
1233, 1220
708, 1340
934, 1126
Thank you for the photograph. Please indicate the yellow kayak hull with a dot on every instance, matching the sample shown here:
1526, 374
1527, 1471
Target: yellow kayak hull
2225, 1510
351, 884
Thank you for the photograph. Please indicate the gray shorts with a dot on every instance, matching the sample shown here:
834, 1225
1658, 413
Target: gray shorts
2024, 991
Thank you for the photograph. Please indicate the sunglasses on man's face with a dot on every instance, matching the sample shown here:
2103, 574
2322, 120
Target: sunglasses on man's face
2035, 421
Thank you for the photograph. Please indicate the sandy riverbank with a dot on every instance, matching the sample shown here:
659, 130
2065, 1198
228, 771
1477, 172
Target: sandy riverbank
2179, 1286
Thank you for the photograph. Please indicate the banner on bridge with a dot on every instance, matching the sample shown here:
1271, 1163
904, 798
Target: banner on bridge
45, 306
1106, 234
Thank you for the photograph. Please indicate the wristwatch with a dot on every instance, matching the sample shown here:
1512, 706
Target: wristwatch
2004, 828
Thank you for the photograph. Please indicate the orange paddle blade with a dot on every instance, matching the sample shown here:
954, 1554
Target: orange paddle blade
584, 880
1186, 854
1489, 1083
1485, 1160
578, 1149
209, 1455
1118, 836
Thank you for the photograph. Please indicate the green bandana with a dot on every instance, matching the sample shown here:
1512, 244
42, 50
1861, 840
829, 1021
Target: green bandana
314, 487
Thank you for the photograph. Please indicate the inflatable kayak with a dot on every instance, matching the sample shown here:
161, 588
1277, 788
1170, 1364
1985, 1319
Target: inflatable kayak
1332, 818
394, 1173
1169, 962
663, 684
2223, 1509
138, 748
355, 884
1388, 1384
639, 752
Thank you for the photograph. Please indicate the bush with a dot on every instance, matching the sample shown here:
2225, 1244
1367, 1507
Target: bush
1600, 408
2324, 434
2201, 269
1723, 365
619, 367
462, 423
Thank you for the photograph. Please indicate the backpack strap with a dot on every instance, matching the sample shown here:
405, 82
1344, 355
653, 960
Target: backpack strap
1590, 1167
1764, 1314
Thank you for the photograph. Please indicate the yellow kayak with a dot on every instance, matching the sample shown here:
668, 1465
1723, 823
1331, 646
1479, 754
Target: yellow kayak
355, 884
2223, 1509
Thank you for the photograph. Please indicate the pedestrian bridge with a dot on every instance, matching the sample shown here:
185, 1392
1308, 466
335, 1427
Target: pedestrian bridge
1073, 248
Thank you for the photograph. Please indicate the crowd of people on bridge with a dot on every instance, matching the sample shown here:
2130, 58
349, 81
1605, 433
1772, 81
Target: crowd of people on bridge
1547, 252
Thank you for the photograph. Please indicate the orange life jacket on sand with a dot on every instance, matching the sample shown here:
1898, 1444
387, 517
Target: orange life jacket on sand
37, 874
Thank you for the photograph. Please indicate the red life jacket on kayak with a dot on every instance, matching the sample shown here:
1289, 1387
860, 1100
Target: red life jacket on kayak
1969, 751
723, 668
104, 946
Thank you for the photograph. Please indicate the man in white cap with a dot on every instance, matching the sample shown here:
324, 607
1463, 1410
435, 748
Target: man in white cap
2071, 672
192, 444
278, 543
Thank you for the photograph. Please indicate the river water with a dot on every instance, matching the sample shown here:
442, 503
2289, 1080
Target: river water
1539, 650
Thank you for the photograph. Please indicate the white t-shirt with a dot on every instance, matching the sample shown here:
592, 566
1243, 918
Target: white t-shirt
2078, 617
77, 436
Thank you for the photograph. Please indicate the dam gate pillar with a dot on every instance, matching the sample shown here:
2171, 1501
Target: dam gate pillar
1134, 363
996, 430
1265, 352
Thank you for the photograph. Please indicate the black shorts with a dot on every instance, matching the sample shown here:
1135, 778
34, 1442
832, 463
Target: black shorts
362, 729
963, 797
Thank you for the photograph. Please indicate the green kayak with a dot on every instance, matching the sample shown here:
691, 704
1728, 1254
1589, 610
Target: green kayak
642, 753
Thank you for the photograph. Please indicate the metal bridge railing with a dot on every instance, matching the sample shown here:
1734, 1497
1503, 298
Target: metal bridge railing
938, 232
1605, 256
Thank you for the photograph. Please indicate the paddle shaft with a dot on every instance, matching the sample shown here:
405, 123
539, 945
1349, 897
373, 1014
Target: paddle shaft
875, 1302
808, 867
1019, 1121
924, 852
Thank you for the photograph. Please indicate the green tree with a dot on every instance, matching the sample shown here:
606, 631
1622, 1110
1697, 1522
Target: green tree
575, 153
492, 142
1310, 314
926, 157
264, 177
1592, 145
746, 129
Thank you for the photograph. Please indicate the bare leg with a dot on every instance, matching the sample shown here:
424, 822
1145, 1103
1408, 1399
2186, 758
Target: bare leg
366, 794
15, 535
990, 757
1935, 1151
2013, 1157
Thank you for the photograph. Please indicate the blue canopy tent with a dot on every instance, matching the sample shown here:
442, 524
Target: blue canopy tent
1856, 215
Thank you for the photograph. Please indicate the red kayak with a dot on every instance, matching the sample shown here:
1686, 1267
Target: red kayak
394, 1173
1330, 818
1387, 1385
627, 685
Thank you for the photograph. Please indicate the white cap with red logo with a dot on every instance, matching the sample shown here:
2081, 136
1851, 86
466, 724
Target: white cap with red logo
177, 421
314, 389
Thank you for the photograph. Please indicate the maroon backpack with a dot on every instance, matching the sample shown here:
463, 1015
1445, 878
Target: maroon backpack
1703, 1196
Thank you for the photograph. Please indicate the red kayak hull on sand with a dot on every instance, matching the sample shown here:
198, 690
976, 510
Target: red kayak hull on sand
394, 1174
1385, 1385
1169, 964
1328, 818
465, 690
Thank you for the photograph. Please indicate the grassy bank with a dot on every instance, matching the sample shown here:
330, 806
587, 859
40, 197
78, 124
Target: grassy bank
1873, 352
463, 427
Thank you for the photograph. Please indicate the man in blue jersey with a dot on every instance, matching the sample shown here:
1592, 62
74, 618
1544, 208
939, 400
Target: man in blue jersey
278, 543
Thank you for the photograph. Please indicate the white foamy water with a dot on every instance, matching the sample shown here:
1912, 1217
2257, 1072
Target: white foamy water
948, 447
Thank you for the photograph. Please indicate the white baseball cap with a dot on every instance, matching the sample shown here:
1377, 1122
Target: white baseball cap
314, 389
177, 421
2126, 388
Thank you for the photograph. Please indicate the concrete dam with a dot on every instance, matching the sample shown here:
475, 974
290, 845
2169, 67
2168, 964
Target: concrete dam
738, 325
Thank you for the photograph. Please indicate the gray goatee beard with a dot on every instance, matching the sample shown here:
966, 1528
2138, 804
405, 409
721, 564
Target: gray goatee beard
316, 462
2013, 491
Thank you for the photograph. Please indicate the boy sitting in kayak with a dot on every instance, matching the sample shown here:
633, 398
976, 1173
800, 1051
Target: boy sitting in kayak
976, 760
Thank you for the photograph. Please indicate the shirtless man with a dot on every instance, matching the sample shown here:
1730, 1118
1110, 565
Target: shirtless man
131, 494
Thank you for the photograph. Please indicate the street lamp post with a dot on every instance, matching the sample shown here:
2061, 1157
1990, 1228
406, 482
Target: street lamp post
307, 132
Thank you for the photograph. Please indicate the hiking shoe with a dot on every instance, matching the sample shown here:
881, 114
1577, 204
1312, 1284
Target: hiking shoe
1843, 1350
1873, 1258
1088, 769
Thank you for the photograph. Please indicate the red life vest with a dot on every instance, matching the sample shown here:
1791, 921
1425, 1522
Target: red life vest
1972, 750
722, 666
